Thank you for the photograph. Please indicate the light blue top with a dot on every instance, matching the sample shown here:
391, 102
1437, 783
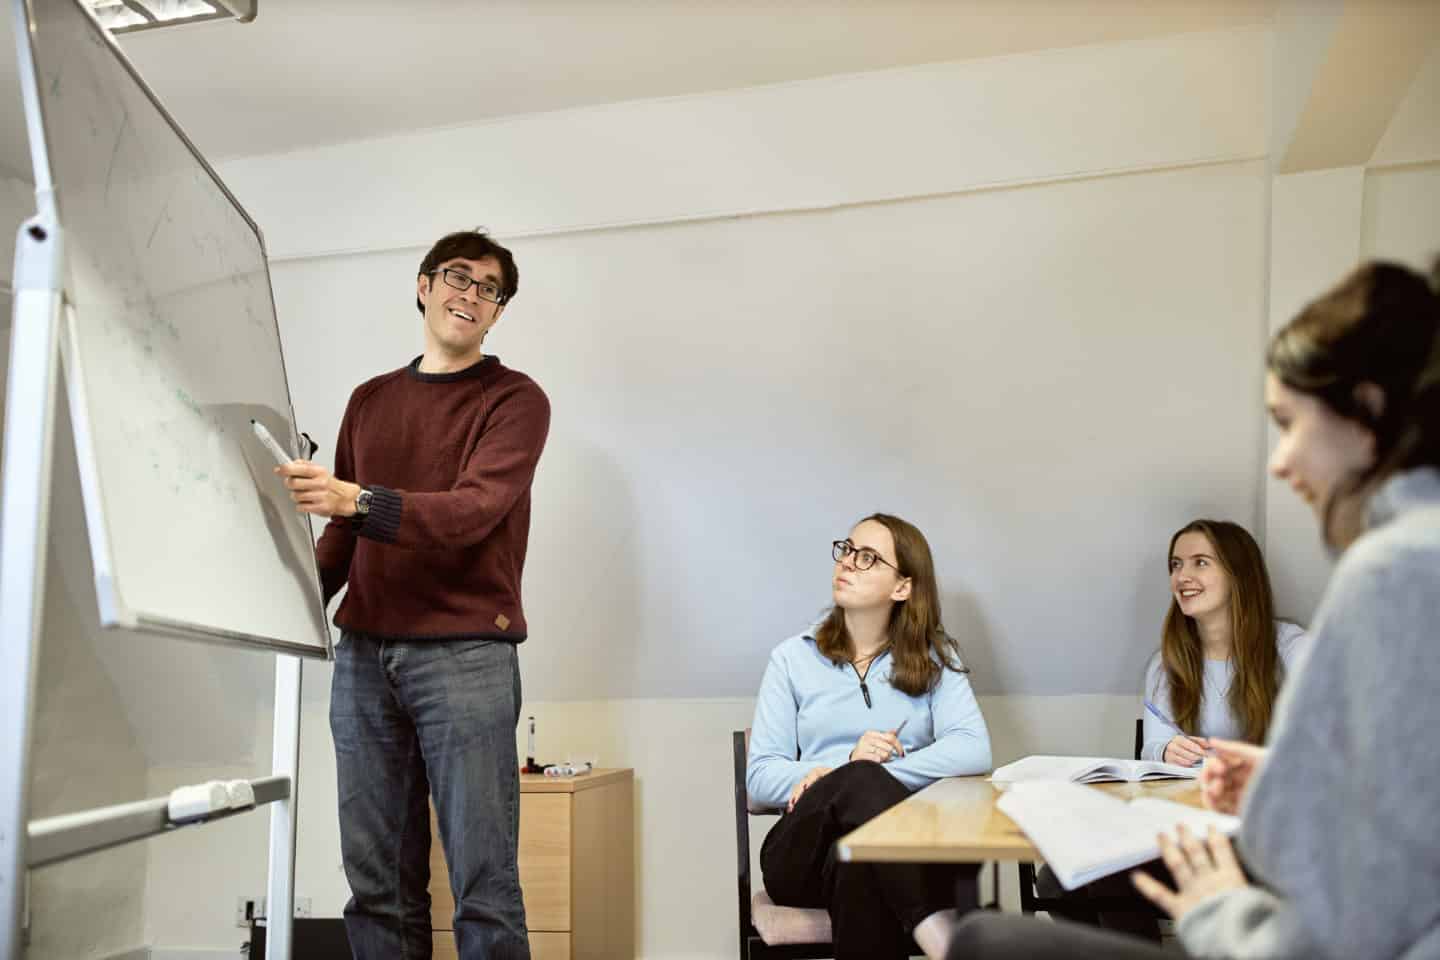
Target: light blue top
1216, 717
810, 713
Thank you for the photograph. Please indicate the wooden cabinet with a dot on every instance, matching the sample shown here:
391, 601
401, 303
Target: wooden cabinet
577, 868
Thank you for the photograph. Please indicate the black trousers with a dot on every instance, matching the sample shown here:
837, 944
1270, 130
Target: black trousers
984, 935
873, 906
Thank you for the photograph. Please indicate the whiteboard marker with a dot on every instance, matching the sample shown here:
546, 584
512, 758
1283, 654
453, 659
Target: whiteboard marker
270, 443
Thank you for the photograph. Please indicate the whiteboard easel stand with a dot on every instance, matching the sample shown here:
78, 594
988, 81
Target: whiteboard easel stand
285, 762
29, 457
29, 433
24, 522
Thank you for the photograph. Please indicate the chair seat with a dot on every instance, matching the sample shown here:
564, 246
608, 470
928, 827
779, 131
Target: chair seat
780, 925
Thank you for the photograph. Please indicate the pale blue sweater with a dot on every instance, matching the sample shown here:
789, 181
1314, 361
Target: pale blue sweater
810, 713
1216, 717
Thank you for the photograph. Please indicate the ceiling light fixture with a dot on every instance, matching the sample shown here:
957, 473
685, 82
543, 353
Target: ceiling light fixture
124, 16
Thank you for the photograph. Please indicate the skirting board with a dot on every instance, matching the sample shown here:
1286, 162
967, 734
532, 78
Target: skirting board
178, 953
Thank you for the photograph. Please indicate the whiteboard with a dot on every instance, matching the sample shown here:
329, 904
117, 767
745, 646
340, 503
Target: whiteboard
170, 347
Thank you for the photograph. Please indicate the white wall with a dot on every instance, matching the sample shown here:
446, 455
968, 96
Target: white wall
729, 397
1315, 231
886, 135
1402, 213
1003, 402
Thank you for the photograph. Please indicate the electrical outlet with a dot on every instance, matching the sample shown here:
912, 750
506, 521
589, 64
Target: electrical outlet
302, 906
248, 909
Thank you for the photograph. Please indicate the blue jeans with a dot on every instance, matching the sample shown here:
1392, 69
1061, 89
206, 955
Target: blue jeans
412, 721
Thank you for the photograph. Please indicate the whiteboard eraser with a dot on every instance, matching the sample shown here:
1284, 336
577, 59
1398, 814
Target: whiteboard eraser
198, 801
241, 794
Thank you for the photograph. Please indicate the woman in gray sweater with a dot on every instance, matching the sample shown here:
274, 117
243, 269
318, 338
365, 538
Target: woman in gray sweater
1340, 847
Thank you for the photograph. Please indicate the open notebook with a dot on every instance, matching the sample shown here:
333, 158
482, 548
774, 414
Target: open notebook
1090, 770
1087, 834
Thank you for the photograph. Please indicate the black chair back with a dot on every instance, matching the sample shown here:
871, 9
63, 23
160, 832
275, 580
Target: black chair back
752, 946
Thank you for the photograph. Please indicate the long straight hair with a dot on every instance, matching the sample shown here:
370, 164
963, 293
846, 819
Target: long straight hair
919, 646
1381, 326
1253, 652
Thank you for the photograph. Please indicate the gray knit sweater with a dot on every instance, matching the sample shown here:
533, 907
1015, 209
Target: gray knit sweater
1342, 825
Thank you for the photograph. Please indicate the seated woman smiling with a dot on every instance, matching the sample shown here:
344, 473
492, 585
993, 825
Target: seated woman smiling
1222, 659
1223, 655
854, 714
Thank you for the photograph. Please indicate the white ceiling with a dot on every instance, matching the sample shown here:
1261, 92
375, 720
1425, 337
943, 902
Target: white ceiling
311, 72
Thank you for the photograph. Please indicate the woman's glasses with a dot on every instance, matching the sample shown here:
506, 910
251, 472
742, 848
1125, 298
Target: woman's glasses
864, 557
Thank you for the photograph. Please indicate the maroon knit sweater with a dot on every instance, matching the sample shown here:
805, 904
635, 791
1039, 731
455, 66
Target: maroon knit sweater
449, 458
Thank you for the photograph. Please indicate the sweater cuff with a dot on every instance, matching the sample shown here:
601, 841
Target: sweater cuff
382, 523
1245, 922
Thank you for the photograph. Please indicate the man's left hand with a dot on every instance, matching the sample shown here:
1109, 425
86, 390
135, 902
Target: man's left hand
316, 490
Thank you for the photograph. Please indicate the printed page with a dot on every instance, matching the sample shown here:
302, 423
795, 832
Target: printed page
1156, 770
1085, 834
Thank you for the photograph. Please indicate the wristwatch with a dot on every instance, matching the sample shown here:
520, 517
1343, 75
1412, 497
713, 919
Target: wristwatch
362, 503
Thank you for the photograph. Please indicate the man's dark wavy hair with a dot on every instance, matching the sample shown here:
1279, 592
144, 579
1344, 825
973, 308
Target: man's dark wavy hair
471, 245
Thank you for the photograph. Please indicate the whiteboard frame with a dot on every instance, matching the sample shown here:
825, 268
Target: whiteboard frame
114, 611
25, 501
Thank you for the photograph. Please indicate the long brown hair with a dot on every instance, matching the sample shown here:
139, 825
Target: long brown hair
917, 640
1380, 325
1253, 652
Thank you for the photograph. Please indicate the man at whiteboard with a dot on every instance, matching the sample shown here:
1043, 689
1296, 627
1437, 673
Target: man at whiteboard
429, 509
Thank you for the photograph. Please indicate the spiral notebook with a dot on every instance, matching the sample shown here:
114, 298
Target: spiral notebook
1088, 834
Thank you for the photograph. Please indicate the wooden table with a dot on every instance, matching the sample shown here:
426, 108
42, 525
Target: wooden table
955, 821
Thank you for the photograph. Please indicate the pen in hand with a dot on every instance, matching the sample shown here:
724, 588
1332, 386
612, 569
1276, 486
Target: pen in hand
1176, 727
896, 734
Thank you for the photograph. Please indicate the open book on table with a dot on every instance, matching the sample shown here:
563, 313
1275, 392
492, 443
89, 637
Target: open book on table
1090, 770
1087, 834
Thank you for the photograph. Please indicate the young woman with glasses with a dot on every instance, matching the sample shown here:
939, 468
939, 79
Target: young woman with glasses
854, 714
1338, 841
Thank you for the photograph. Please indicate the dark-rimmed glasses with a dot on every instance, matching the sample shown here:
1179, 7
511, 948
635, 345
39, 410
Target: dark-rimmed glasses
486, 290
865, 558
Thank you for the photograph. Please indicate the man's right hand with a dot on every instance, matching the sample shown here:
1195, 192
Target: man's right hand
1185, 751
1228, 772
